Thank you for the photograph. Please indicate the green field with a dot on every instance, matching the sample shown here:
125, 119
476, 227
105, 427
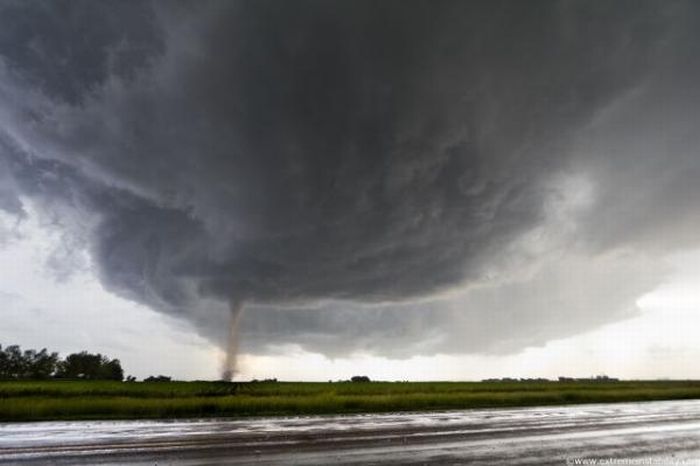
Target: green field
30, 401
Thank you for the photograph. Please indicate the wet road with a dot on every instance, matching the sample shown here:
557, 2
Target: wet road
629, 433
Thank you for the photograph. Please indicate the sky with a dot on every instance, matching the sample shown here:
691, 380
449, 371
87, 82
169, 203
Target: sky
404, 190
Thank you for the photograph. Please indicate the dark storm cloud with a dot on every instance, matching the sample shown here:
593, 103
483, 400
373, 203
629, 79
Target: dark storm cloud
70, 47
280, 153
559, 300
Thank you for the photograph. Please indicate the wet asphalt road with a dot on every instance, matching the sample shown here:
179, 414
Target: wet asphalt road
666, 432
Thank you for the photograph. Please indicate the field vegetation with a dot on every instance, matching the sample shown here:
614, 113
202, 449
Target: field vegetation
91, 399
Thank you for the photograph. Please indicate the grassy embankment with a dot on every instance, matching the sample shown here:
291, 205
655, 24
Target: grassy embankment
25, 401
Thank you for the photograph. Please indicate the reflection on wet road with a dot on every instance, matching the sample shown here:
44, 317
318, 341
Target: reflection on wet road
665, 432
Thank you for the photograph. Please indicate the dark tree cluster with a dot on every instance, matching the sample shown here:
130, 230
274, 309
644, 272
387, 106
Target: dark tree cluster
28, 364
597, 378
264, 381
158, 378
359, 378
84, 365
37, 365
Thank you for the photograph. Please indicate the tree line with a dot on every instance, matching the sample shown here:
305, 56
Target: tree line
37, 365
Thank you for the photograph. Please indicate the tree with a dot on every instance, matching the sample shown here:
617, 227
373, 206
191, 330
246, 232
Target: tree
157, 378
112, 370
28, 364
359, 378
14, 363
40, 365
37, 365
89, 366
4, 365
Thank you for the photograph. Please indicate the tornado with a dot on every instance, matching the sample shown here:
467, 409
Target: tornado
229, 369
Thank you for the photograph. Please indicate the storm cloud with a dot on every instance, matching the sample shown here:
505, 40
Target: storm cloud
399, 177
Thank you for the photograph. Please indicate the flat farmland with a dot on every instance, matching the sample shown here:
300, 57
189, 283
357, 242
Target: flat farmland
63, 400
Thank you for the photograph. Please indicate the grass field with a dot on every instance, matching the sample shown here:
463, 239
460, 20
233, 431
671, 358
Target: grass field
45, 400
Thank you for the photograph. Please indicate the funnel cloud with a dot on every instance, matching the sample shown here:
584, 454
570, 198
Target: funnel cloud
393, 177
230, 368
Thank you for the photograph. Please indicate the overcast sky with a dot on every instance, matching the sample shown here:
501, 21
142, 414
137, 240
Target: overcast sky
406, 190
